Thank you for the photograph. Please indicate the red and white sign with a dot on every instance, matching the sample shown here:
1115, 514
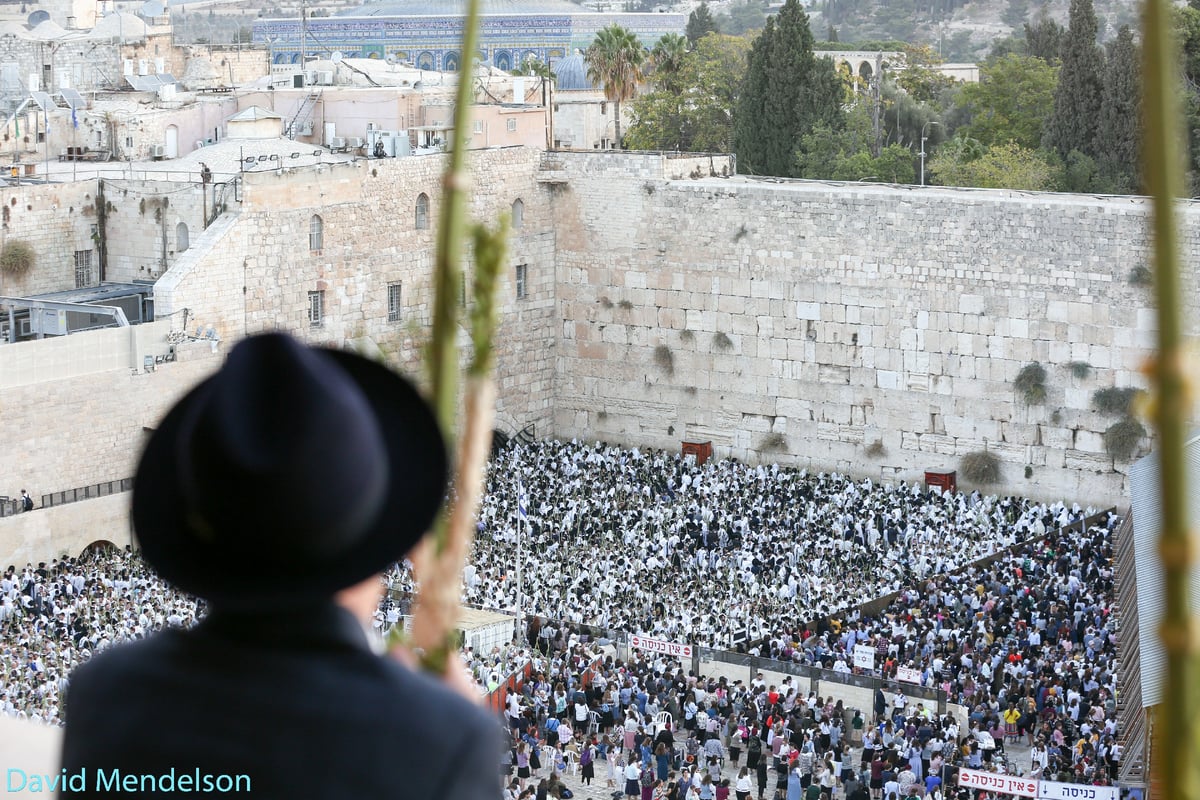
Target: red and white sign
908, 675
1052, 790
991, 782
659, 646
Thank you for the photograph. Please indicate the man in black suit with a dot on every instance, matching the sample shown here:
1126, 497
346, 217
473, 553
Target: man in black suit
278, 490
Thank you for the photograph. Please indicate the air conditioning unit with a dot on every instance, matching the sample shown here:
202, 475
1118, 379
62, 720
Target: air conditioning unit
337, 143
306, 129
310, 77
325, 79
354, 142
157, 151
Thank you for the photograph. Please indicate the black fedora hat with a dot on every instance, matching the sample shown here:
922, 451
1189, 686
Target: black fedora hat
289, 474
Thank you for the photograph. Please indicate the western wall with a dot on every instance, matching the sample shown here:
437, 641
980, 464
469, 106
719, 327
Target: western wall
869, 329
873, 330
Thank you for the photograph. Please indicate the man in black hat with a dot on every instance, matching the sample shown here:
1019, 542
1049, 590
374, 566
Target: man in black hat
277, 693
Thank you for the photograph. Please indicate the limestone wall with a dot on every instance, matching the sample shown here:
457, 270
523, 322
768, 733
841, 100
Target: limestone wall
370, 240
88, 428
47, 533
143, 224
804, 322
56, 220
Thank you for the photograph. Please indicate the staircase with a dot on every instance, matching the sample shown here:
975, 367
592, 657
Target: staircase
304, 114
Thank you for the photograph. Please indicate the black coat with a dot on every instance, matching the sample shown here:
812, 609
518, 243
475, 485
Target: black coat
297, 703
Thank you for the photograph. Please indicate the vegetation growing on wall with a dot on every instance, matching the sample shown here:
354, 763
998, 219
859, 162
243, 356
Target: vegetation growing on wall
1112, 400
1122, 438
664, 359
1031, 384
981, 467
16, 258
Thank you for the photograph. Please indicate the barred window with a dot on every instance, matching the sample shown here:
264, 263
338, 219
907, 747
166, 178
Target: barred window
83, 268
316, 308
521, 281
393, 298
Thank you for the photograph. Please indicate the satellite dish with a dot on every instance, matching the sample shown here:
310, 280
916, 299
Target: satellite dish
391, 61
336, 57
37, 18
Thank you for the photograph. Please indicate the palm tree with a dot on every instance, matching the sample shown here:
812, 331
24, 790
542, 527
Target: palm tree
614, 60
667, 57
669, 51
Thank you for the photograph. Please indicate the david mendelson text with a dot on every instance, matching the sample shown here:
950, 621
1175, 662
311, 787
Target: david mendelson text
114, 780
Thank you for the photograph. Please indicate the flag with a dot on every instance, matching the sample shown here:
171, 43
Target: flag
74, 119
521, 500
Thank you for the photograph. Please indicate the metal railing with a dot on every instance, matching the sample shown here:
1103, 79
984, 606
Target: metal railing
11, 506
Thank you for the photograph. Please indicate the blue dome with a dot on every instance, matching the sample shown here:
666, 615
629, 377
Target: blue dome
571, 75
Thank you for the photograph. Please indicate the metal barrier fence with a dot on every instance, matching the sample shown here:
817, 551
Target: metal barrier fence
818, 675
10, 506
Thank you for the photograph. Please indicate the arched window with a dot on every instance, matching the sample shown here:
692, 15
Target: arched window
422, 211
182, 243
518, 214
316, 233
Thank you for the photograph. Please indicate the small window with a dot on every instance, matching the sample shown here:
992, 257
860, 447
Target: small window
522, 287
316, 234
518, 214
603, 107
479, 126
83, 268
129, 142
316, 308
394, 302
512, 124
182, 242
422, 211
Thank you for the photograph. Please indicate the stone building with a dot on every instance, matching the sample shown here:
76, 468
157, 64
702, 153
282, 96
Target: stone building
428, 33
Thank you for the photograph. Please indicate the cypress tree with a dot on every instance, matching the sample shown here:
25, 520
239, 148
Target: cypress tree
787, 92
1075, 121
1117, 138
700, 23
1044, 39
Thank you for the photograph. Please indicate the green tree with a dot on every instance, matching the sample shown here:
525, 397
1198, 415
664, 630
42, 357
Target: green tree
700, 23
698, 115
845, 154
667, 58
742, 18
1002, 166
1014, 96
920, 77
1074, 123
1118, 136
614, 60
1044, 39
788, 91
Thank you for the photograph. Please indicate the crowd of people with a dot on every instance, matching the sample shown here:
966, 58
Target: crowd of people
718, 554
762, 558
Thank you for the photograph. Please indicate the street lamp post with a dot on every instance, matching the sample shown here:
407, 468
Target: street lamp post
923, 137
